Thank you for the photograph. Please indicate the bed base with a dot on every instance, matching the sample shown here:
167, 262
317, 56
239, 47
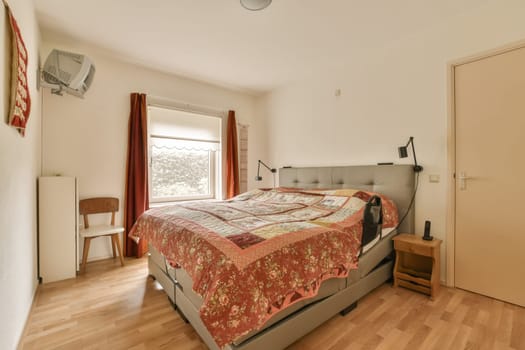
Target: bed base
348, 309
289, 329
159, 274
297, 325
375, 268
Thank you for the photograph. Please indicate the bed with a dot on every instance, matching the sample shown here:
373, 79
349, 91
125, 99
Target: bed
347, 276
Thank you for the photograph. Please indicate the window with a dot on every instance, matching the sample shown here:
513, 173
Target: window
184, 151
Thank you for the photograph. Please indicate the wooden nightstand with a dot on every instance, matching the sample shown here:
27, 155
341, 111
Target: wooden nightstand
417, 263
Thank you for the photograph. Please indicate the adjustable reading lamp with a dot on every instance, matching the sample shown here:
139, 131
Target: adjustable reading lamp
259, 177
403, 153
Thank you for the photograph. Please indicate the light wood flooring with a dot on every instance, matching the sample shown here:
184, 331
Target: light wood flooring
113, 307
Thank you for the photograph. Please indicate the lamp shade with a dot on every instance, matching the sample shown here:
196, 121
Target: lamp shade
403, 151
255, 5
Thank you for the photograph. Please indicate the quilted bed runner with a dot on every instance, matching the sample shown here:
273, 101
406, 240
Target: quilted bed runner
253, 255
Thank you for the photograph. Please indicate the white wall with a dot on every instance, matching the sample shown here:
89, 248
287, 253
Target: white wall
387, 95
87, 138
19, 169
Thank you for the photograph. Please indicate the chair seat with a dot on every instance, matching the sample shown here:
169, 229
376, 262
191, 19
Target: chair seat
100, 230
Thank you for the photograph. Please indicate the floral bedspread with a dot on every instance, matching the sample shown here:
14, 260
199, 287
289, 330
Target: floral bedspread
253, 255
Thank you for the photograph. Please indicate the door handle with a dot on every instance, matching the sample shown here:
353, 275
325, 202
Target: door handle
463, 180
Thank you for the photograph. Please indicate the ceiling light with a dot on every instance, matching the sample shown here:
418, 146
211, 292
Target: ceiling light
255, 5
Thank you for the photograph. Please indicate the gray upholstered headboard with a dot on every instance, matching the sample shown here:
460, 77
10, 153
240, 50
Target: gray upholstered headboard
394, 181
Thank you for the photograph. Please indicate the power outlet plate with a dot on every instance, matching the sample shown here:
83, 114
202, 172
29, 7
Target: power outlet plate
434, 178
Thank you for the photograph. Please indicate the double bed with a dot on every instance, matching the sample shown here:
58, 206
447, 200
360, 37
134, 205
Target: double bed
211, 259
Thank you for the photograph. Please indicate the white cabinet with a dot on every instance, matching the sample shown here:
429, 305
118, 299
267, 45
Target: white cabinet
57, 228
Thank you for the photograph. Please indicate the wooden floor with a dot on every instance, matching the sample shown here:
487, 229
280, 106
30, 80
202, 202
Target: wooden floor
113, 307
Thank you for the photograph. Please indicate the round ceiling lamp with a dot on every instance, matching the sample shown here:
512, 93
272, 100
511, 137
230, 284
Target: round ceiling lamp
255, 5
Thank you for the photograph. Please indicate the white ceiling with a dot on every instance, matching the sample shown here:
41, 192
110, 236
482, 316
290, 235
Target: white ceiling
220, 42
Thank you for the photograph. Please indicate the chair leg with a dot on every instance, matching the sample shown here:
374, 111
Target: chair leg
117, 243
85, 252
113, 246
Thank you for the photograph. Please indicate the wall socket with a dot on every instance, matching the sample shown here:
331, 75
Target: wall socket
433, 178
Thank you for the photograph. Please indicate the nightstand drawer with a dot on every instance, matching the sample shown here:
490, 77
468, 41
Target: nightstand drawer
413, 248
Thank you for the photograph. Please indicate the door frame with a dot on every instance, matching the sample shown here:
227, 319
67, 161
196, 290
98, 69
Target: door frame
451, 153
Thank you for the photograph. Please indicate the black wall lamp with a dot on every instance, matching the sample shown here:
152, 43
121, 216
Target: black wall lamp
403, 153
259, 177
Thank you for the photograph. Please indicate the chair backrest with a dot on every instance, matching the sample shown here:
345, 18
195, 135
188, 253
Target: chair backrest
98, 205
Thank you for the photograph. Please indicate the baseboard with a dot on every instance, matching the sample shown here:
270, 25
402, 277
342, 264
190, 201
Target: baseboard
36, 294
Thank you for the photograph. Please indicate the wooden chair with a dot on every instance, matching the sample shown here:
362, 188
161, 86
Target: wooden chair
100, 205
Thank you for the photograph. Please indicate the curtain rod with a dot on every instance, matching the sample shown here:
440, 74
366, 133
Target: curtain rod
162, 102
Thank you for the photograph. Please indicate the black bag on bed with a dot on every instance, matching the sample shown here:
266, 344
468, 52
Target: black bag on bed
372, 220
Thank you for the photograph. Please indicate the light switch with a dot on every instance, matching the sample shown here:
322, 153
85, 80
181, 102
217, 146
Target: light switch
433, 178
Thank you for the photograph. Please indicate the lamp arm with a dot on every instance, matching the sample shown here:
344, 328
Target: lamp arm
417, 168
273, 170
414, 152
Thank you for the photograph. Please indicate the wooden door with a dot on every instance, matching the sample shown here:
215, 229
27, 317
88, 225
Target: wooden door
490, 176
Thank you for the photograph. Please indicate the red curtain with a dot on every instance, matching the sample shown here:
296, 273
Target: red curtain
137, 197
232, 158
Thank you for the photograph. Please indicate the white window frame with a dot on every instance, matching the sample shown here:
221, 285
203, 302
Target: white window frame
214, 167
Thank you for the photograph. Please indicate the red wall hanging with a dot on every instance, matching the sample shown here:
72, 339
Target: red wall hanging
20, 100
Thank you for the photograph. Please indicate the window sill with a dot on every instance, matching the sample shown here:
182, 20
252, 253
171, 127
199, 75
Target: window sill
163, 204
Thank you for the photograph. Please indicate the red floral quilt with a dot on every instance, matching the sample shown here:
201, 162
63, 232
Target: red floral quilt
253, 255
